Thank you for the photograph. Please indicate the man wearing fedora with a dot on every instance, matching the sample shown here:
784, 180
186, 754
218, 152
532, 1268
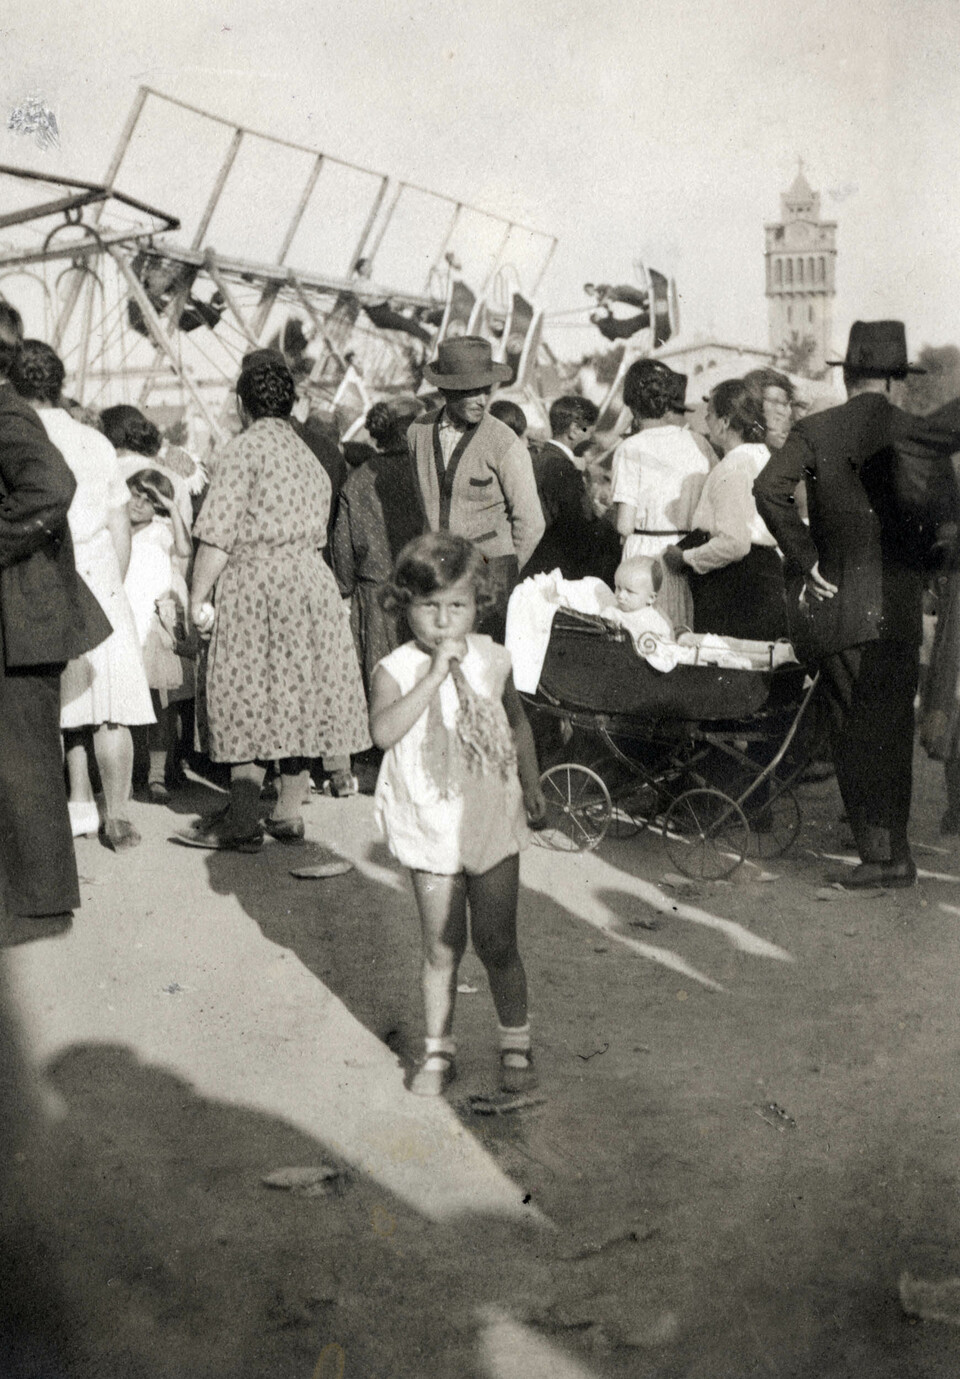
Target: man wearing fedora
475, 474
879, 485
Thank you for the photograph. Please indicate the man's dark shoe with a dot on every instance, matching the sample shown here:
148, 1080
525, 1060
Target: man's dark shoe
869, 875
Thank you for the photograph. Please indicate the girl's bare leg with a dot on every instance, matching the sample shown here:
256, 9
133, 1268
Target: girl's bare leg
493, 926
442, 902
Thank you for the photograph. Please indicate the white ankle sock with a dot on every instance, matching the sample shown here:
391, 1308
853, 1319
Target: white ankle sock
432, 1047
514, 1045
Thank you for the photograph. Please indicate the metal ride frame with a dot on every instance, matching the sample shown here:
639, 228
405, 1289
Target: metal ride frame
249, 290
707, 831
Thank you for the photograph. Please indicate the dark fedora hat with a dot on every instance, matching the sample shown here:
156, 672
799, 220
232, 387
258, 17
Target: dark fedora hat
465, 363
877, 349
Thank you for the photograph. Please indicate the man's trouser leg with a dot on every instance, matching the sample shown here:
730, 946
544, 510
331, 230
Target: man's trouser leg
872, 689
38, 869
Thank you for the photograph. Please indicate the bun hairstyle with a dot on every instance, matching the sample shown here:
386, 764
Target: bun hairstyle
387, 422
736, 403
267, 389
126, 428
432, 562
649, 389
37, 372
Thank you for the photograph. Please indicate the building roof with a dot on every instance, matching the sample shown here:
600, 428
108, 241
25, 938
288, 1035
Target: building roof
800, 188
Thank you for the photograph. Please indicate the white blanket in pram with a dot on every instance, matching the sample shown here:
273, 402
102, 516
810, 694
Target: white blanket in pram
534, 604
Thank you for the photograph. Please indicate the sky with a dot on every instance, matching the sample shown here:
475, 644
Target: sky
659, 129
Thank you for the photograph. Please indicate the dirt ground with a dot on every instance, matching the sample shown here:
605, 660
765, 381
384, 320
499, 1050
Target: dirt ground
748, 1132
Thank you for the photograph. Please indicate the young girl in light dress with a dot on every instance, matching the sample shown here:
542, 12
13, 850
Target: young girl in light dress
155, 584
458, 779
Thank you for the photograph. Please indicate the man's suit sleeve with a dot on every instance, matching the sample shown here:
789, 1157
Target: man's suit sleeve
774, 491
523, 502
36, 487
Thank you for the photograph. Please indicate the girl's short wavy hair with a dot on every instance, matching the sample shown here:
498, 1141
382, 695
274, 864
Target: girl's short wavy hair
126, 428
37, 372
649, 389
433, 562
734, 401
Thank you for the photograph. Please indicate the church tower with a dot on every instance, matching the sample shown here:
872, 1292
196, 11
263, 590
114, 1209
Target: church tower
801, 258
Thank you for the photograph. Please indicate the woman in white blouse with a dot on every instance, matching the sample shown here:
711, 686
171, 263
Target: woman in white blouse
731, 560
658, 473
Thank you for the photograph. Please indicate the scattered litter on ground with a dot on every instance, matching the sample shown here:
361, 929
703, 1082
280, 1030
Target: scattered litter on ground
587, 1056
173, 988
830, 893
767, 876
465, 989
315, 1181
931, 1301
601, 949
322, 870
634, 1235
677, 882
776, 1116
501, 1103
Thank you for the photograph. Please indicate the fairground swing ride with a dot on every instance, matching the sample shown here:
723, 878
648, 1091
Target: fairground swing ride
355, 275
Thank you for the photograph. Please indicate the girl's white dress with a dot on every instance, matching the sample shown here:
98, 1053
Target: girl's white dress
152, 577
109, 683
479, 819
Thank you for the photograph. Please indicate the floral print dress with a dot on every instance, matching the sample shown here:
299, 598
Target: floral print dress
282, 678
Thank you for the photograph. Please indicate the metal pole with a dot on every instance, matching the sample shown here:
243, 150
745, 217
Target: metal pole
127, 134
160, 339
368, 225
438, 257
302, 205
218, 186
545, 265
378, 239
210, 265
81, 374
496, 262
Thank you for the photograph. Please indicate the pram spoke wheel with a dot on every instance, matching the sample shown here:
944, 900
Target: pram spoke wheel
633, 801
578, 808
706, 834
775, 825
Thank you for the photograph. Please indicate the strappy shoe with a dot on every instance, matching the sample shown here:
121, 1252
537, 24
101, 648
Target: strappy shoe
119, 835
433, 1081
218, 838
519, 1078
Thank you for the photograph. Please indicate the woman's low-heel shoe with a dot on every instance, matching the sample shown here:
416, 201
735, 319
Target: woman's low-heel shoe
119, 835
218, 838
84, 817
286, 830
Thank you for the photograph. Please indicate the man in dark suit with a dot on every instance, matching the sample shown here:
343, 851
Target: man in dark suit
879, 485
47, 616
562, 491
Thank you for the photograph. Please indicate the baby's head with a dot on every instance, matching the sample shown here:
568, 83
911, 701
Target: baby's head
637, 582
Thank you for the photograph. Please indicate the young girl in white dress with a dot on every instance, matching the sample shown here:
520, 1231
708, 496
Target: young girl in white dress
459, 777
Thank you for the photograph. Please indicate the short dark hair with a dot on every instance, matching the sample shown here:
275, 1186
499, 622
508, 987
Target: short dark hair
126, 428
37, 372
435, 561
649, 389
566, 410
154, 478
267, 389
510, 414
11, 335
387, 421
736, 403
758, 380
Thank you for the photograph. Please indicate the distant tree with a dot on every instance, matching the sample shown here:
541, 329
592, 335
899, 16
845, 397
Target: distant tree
941, 382
796, 355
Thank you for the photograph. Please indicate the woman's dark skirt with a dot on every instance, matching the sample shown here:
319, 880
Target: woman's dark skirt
744, 599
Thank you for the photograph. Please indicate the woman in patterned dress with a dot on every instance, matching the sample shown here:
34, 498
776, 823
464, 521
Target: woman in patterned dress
380, 511
282, 680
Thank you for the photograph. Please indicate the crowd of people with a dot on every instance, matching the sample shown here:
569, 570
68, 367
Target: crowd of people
288, 608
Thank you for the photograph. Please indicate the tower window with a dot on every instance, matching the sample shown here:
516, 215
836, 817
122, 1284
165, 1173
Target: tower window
810, 314
789, 315
821, 270
810, 273
799, 270
778, 272
789, 268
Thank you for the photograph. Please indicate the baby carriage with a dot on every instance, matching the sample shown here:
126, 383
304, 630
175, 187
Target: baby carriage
705, 754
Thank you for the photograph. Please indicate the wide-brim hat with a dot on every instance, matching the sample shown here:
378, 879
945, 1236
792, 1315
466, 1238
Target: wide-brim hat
464, 364
877, 349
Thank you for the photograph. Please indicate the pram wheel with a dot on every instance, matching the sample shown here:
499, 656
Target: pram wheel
706, 834
634, 802
775, 825
578, 808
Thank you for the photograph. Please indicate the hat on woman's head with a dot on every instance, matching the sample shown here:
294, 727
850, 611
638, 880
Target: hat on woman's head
464, 364
678, 392
877, 349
